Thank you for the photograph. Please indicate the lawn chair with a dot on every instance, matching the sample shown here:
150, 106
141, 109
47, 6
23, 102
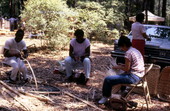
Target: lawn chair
142, 83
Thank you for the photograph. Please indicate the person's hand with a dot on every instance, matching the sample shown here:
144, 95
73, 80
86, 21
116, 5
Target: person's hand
116, 67
148, 39
25, 56
77, 58
18, 55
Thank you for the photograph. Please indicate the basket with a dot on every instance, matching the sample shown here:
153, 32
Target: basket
164, 81
152, 80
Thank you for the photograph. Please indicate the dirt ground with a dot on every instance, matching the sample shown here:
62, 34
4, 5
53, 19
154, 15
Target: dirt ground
43, 63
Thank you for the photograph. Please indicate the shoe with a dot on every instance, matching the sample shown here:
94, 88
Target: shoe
69, 79
8, 73
86, 81
12, 81
103, 100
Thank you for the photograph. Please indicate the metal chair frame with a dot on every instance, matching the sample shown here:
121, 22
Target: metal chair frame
142, 83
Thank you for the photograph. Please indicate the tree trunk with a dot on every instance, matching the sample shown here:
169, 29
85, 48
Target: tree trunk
164, 9
159, 7
11, 8
151, 5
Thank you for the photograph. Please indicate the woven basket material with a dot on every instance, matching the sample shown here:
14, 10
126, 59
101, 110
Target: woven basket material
152, 79
164, 81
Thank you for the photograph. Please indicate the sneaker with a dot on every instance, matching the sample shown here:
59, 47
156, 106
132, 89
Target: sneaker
86, 81
69, 79
12, 81
103, 100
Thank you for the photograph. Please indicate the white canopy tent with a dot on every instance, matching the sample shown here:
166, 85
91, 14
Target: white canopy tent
151, 17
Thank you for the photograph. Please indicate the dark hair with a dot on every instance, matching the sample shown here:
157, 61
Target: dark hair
140, 17
124, 41
79, 33
19, 32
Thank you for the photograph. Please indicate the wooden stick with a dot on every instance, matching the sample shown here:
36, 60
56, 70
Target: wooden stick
18, 101
45, 92
9, 88
36, 85
24, 93
86, 102
38, 97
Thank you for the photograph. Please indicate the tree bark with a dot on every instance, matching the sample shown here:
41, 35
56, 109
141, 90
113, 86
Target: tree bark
164, 10
159, 7
151, 5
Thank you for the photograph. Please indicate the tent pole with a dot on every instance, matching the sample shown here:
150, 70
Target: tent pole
146, 12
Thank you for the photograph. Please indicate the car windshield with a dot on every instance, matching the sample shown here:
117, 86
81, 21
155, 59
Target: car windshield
157, 32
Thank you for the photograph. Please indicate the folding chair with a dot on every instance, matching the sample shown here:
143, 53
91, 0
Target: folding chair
142, 83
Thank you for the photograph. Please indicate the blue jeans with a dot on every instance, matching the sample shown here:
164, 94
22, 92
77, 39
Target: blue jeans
110, 81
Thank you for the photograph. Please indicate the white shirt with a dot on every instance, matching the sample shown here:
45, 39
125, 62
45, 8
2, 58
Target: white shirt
137, 30
79, 48
136, 61
15, 47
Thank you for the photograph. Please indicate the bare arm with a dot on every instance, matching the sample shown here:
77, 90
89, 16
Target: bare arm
71, 54
146, 36
125, 67
87, 52
25, 53
7, 54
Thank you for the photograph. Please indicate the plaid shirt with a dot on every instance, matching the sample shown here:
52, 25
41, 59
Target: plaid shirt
136, 61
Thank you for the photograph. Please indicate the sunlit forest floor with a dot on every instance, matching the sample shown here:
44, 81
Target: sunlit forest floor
43, 63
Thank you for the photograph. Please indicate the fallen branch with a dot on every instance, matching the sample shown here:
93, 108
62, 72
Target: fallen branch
9, 88
45, 92
27, 109
86, 102
38, 97
24, 93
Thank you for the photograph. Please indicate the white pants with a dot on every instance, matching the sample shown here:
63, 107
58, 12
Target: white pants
69, 62
18, 65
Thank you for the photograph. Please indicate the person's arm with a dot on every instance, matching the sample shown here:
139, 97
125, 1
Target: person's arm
71, 53
8, 54
87, 52
146, 36
125, 67
25, 53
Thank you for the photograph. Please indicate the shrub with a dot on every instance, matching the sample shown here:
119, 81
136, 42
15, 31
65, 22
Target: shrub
51, 17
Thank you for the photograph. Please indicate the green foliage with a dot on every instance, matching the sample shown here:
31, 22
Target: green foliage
51, 17
99, 20
96, 18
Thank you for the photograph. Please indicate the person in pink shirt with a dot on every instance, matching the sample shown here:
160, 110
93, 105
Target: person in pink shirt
133, 69
79, 52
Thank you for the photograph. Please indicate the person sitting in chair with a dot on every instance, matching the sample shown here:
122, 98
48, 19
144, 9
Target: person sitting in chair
133, 67
79, 52
12, 53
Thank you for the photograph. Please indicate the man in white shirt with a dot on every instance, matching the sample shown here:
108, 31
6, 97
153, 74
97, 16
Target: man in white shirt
12, 52
79, 52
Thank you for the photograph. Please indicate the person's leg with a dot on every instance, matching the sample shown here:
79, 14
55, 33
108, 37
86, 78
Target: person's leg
87, 67
139, 45
110, 81
69, 65
13, 63
23, 69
